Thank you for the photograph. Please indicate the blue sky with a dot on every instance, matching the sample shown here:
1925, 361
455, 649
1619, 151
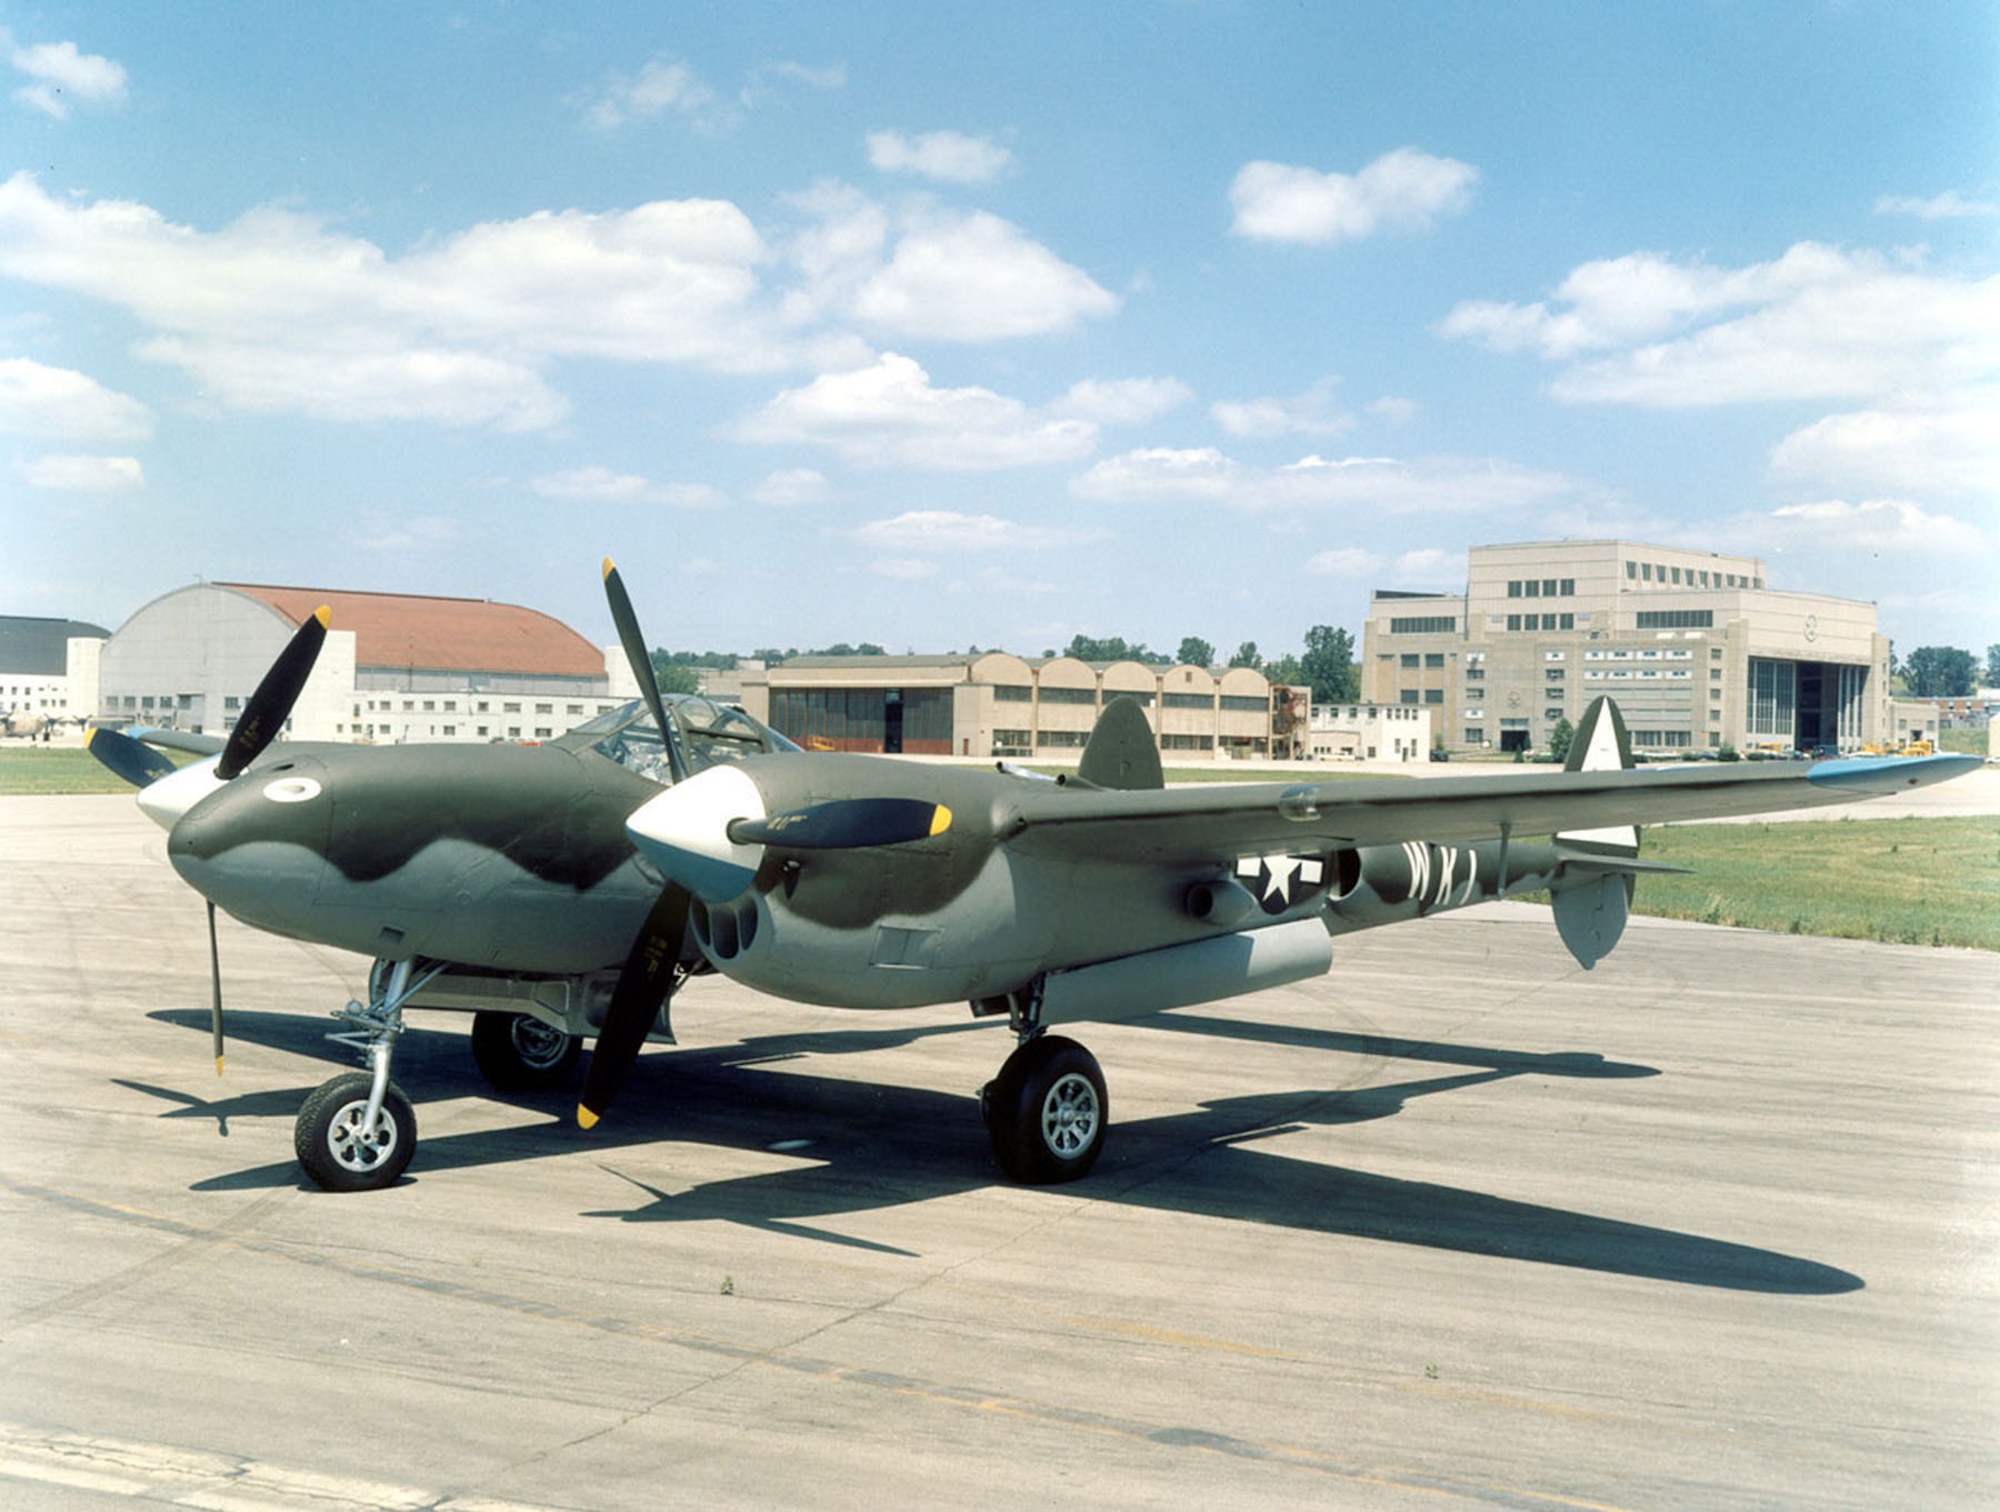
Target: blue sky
942, 325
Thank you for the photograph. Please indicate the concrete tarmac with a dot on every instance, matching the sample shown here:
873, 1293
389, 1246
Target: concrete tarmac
1714, 1225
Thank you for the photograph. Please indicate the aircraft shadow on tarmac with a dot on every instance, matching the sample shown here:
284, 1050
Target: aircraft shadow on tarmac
866, 1146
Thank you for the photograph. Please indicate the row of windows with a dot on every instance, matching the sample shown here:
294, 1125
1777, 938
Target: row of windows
1429, 696
1676, 619
1541, 588
1687, 577
1424, 624
861, 714
1672, 655
1430, 658
1541, 622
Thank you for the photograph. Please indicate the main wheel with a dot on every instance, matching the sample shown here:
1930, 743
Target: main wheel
342, 1155
1046, 1111
517, 1052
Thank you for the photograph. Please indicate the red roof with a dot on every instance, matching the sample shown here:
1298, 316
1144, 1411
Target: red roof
441, 634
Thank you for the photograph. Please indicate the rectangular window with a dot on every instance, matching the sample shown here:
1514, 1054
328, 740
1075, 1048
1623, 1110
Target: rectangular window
1646, 571
1011, 693
1569, 587
1188, 701
1534, 587
1410, 659
1675, 619
1424, 624
547, 708
1552, 713
1631, 571
1409, 695
1236, 703
1513, 622
1677, 576
1069, 695
1514, 588
1475, 674
1433, 658
1548, 587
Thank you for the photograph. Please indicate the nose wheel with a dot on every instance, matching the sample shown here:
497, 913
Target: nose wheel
339, 1145
1046, 1111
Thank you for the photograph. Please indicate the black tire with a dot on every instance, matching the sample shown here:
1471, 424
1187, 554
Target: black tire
517, 1052
1046, 1111
329, 1143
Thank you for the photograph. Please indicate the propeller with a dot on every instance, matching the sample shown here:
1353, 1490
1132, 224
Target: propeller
647, 980
126, 758
271, 704
642, 666
845, 824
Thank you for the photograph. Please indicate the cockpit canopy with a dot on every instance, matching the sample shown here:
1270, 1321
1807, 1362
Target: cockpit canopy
709, 732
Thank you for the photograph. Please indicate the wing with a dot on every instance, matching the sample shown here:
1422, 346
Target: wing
1192, 824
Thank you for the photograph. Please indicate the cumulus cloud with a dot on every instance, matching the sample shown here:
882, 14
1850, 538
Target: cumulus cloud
942, 530
38, 400
59, 76
791, 485
276, 312
1124, 401
603, 486
1872, 525
1950, 205
1431, 485
949, 157
1345, 562
976, 277
1816, 323
661, 85
79, 474
1404, 190
890, 413
903, 569
1950, 449
1316, 412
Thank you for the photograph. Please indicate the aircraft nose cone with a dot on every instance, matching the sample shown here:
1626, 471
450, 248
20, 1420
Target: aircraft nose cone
685, 832
257, 845
173, 795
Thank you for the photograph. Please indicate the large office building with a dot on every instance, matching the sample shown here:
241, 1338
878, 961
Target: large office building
48, 669
396, 667
1000, 705
1697, 649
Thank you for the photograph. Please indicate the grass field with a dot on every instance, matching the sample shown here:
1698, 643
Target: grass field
53, 769
1906, 881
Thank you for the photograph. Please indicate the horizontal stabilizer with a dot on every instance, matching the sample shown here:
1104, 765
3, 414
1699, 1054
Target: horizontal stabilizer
1573, 859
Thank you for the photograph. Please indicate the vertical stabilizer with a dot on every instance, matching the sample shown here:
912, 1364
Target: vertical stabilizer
1122, 753
1591, 904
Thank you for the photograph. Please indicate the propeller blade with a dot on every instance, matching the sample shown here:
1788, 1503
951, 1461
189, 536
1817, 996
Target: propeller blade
641, 660
215, 984
646, 982
846, 823
140, 765
271, 704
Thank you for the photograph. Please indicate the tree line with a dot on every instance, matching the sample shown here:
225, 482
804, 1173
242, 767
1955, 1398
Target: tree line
1945, 671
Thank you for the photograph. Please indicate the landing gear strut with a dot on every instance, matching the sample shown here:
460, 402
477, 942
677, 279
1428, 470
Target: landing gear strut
1046, 1111
357, 1132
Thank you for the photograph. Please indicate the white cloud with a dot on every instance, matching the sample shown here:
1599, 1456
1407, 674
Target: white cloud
975, 277
1346, 562
660, 85
381, 531
1950, 205
791, 485
1816, 323
1124, 401
1316, 412
1872, 525
37, 400
943, 530
603, 486
1432, 485
891, 414
947, 156
1947, 448
1404, 190
62, 76
77, 474
1394, 409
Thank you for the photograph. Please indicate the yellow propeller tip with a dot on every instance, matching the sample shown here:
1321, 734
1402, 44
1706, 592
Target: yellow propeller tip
324, 614
609, 566
585, 1119
218, 1065
941, 820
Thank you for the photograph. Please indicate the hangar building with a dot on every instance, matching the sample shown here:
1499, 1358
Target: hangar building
1000, 705
48, 667
396, 667
1696, 648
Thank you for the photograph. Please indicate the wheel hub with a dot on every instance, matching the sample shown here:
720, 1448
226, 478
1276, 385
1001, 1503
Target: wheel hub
358, 1148
1069, 1115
